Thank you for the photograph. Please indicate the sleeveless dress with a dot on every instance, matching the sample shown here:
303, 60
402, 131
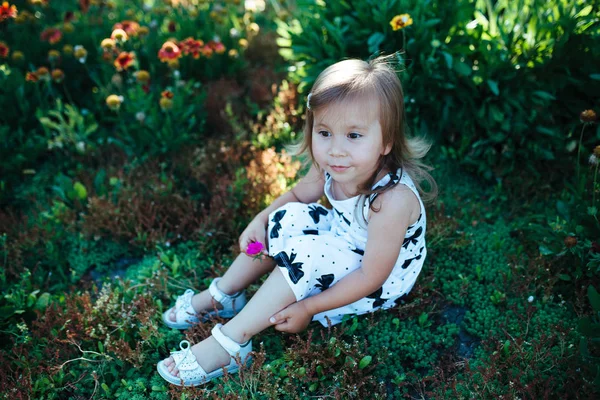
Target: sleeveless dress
315, 247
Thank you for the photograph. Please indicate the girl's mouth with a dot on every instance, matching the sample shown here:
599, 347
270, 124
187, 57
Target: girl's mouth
338, 168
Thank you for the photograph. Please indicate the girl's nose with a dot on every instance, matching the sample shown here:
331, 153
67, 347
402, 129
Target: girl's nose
336, 149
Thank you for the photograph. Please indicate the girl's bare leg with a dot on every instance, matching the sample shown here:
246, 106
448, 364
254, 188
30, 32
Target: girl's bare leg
273, 296
243, 271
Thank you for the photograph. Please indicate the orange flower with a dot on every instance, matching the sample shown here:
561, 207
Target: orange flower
43, 73
124, 60
207, 51
143, 31
401, 21
191, 46
131, 27
57, 75
7, 11
588, 116
31, 77
167, 94
217, 47
169, 51
51, 35
4, 50
18, 56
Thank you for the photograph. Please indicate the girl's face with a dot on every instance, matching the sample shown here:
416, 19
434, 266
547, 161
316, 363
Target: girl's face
347, 141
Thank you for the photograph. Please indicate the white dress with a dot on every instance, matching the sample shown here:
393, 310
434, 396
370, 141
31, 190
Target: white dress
316, 247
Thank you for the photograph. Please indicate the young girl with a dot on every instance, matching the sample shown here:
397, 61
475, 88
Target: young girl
360, 256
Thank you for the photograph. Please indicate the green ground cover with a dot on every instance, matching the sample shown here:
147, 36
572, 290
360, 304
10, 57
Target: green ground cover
111, 206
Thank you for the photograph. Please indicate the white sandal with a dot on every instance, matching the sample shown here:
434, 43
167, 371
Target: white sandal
192, 374
186, 316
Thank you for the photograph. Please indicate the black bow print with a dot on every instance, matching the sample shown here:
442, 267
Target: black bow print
276, 218
409, 260
294, 269
393, 176
310, 232
341, 214
316, 212
325, 281
413, 238
359, 251
377, 296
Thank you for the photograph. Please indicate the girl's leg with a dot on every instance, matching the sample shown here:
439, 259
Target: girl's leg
243, 271
273, 296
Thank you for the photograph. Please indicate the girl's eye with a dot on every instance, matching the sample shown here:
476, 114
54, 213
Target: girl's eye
324, 133
354, 135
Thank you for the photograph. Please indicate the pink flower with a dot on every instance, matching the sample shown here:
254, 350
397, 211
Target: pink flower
254, 248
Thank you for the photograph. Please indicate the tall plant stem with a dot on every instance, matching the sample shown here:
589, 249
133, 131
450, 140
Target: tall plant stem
594, 187
579, 151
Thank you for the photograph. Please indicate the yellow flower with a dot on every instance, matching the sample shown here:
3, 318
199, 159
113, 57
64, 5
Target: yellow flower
18, 56
401, 21
58, 75
233, 53
43, 73
119, 35
80, 53
68, 27
143, 31
243, 43
114, 102
165, 103
108, 44
53, 55
67, 50
142, 76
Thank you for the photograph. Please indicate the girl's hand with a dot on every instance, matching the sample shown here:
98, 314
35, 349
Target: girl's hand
292, 319
256, 231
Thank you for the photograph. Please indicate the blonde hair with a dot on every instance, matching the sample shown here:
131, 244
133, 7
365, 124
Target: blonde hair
348, 79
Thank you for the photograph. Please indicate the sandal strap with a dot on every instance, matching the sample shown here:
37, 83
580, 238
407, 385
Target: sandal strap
230, 345
218, 295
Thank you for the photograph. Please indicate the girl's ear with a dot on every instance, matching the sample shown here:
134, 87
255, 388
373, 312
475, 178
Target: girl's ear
387, 150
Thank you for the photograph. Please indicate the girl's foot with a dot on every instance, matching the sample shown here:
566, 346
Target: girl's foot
201, 302
208, 303
198, 364
209, 354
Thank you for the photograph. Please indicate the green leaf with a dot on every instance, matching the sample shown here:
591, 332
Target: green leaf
105, 387
544, 95
448, 58
562, 209
545, 251
80, 190
374, 41
594, 298
364, 362
42, 301
462, 69
595, 77
493, 86
564, 277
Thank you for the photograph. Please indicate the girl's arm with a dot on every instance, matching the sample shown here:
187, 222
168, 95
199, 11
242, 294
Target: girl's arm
386, 232
308, 190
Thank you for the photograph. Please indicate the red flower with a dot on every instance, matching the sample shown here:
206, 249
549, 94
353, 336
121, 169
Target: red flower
217, 47
51, 35
31, 77
167, 94
124, 60
169, 51
191, 46
3, 50
7, 11
130, 27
